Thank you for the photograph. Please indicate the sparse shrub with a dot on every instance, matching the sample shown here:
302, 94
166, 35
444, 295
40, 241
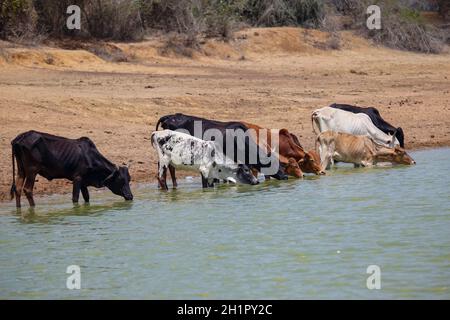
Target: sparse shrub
444, 9
103, 19
221, 18
17, 19
192, 20
403, 28
52, 16
114, 19
349, 7
180, 45
283, 12
331, 23
182, 16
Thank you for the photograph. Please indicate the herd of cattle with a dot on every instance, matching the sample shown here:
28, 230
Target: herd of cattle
345, 133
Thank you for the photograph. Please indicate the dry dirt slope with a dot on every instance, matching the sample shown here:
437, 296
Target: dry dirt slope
274, 77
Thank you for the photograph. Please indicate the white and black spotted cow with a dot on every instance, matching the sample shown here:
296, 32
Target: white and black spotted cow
180, 150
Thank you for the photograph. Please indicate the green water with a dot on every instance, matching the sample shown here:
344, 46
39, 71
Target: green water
296, 239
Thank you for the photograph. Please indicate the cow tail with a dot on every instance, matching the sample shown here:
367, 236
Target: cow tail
314, 125
157, 124
13, 186
152, 136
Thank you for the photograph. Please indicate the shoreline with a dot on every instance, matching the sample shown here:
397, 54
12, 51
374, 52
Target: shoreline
62, 190
277, 85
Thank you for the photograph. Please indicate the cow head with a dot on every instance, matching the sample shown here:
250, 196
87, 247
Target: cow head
244, 175
310, 163
394, 155
239, 172
392, 139
293, 169
400, 156
119, 183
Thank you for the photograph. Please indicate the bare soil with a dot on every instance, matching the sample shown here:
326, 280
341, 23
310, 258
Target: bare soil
273, 77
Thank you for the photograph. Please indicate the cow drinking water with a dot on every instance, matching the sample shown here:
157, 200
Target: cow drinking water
53, 157
180, 150
376, 118
234, 142
334, 119
359, 150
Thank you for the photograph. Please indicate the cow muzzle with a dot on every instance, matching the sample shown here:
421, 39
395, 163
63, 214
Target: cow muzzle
128, 196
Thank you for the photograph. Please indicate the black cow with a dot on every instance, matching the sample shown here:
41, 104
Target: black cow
186, 122
54, 157
376, 118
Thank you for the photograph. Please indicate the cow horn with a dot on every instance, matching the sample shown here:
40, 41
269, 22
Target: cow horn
231, 179
395, 133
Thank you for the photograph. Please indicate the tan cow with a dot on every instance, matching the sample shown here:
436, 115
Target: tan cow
359, 150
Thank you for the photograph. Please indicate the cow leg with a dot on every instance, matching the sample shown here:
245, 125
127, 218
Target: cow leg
28, 188
19, 187
76, 189
85, 193
204, 181
329, 161
366, 163
162, 177
173, 176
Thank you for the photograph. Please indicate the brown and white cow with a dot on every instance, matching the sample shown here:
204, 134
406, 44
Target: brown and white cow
359, 150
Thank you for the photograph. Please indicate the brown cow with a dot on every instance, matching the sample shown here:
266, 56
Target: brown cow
289, 147
316, 157
359, 150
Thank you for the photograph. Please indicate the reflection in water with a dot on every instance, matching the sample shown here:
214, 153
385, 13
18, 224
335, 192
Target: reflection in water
310, 238
42, 215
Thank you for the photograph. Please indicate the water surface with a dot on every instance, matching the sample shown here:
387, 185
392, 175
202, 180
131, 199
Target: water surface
279, 240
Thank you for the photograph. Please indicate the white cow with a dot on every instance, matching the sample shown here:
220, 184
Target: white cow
181, 150
359, 124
